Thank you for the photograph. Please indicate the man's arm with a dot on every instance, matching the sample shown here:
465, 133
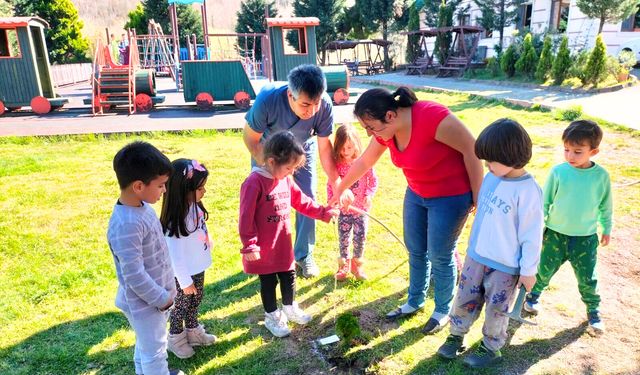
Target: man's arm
325, 149
252, 141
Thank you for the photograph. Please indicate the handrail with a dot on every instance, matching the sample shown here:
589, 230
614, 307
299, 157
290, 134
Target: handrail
98, 63
134, 62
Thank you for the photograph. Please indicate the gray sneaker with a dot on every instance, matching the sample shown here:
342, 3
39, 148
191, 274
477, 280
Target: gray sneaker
308, 266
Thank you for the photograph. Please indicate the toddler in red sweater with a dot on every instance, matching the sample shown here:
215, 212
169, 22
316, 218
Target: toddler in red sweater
266, 198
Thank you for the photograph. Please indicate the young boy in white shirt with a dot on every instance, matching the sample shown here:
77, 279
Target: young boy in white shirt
504, 245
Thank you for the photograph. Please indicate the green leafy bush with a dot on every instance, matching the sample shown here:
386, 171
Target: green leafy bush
493, 66
579, 65
508, 61
597, 65
627, 59
562, 62
568, 114
546, 60
348, 328
528, 60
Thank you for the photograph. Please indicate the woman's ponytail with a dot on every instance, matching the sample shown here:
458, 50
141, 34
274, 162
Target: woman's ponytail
404, 96
375, 103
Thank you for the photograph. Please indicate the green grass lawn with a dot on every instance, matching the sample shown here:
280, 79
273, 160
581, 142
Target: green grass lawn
58, 314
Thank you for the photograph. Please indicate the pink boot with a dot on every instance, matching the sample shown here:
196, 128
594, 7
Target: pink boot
356, 268
343, 269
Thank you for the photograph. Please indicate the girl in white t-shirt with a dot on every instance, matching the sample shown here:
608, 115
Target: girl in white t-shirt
183, 220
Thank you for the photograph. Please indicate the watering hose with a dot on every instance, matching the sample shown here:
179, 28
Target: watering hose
362, 212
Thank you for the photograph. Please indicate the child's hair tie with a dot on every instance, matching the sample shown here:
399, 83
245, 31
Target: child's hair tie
188, 170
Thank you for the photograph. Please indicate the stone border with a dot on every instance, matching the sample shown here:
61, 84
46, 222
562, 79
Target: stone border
631, 82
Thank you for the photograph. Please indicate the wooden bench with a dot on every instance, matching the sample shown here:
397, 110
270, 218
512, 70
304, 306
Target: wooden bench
420, 66
357, 67
375, 68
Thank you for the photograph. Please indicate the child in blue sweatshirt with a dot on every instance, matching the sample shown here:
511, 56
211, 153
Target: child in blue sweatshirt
504, 245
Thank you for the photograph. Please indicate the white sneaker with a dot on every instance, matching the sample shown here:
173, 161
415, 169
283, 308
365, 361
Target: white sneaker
295, 314
276, 323
179, 345
532, 304
198, 336
596, 326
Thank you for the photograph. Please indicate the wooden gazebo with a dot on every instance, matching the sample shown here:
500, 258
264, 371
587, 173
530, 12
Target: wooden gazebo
463, 48
424, 61
461, 52
373, 61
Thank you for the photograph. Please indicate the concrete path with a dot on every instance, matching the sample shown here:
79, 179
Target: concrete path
622, 107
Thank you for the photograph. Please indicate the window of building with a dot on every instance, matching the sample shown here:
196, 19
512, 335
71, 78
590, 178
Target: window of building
9, 45
524, 16
633, 22
464, 19
295, 41
562, 17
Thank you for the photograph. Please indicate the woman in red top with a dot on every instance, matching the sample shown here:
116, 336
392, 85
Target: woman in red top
436, 154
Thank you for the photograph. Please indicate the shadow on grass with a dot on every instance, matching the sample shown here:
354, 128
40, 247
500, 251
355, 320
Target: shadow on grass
65, 349
517, 359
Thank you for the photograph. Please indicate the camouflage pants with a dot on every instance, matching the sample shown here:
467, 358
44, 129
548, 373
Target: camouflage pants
581, 252
483, 286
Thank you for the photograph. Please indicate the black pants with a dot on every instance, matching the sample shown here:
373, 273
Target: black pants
185, 307
268, 289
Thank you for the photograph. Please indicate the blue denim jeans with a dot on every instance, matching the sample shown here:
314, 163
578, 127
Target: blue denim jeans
431, 229
307, 179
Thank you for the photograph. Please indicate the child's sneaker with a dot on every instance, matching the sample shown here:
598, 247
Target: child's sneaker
356, 268
198, 336
483, 357
276, 323
295, 314
343, 269
596, 327
451, 347
532, 305
179, 345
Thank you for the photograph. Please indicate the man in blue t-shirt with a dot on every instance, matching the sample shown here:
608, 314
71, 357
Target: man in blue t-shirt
302, 107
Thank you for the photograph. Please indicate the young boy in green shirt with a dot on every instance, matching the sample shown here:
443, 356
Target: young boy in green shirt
577, 196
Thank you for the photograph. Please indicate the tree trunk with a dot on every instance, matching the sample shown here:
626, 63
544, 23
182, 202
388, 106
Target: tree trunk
385, 33
601, 25
502, 26
323, 56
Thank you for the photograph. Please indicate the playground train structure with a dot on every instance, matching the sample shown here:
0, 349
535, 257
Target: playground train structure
207, 76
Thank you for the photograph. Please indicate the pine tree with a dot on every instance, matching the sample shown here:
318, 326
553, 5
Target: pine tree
189, 21
546, 60
562, 62
498, 14
528, 60
351, 24
64, 36
445, 18
379, 15
608, 10
250, 19
508, 61
328, 12
597, 64
6, 8
137, 20
413, 41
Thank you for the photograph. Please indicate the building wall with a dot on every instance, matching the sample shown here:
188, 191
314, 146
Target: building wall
581, 30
